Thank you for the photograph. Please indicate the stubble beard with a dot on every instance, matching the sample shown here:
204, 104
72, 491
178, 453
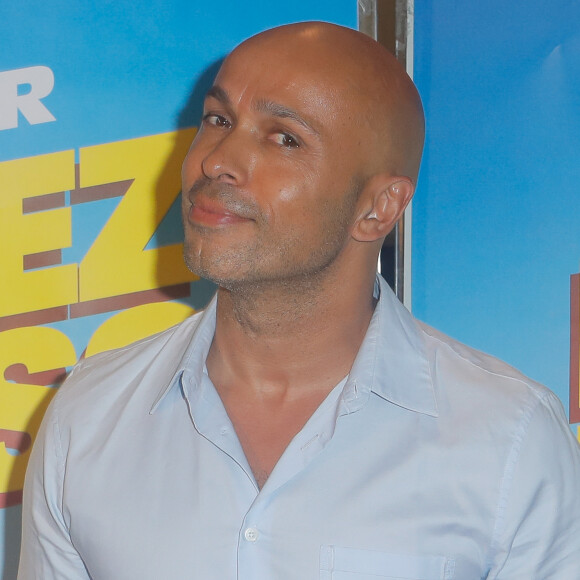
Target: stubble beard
278, 263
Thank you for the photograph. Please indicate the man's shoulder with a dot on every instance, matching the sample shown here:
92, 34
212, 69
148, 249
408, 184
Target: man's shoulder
174, 338
458, 367
147, 364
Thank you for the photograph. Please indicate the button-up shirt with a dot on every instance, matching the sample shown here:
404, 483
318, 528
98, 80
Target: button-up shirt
429, 461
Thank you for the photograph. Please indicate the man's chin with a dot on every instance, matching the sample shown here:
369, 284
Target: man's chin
212, 270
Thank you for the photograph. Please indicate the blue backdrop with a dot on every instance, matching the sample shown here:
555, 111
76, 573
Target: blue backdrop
495, 228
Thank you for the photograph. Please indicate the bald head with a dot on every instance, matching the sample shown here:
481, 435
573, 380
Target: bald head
306, 157
377, 96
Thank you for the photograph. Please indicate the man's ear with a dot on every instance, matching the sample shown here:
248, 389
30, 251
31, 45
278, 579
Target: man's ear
383, 201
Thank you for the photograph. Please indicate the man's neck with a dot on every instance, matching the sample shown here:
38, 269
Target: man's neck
278, 352
289, 337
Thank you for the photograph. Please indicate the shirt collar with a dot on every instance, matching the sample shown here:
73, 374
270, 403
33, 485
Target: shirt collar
193, 359
391, 361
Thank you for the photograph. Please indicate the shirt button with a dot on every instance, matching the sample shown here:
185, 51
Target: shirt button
251, 534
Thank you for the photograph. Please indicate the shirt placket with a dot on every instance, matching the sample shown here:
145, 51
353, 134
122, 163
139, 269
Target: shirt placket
256, 545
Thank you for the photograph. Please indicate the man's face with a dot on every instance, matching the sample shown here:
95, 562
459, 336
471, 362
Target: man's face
268, 184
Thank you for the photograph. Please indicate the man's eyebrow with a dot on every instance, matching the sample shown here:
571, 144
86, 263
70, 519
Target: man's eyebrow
283, 112
219, 94
264, 106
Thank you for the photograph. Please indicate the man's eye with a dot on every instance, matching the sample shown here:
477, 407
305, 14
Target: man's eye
217, 120
286, 140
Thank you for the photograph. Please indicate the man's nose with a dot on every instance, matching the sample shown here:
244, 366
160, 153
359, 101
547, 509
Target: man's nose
231, 160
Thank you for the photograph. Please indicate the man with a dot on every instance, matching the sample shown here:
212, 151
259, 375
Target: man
305, 425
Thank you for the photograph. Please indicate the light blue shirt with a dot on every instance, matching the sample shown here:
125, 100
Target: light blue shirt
430, 461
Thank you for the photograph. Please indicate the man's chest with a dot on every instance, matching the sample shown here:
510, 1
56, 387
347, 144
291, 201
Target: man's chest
353, 505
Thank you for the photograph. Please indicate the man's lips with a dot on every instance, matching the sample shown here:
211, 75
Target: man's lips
208, 212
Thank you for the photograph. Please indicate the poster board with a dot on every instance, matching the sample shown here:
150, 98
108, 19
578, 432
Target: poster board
98, 105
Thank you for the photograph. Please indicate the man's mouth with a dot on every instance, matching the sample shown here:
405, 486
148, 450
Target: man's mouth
212, 213
214, 205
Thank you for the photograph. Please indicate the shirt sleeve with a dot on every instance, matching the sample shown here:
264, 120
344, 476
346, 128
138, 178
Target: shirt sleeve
47, 551
538, 524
